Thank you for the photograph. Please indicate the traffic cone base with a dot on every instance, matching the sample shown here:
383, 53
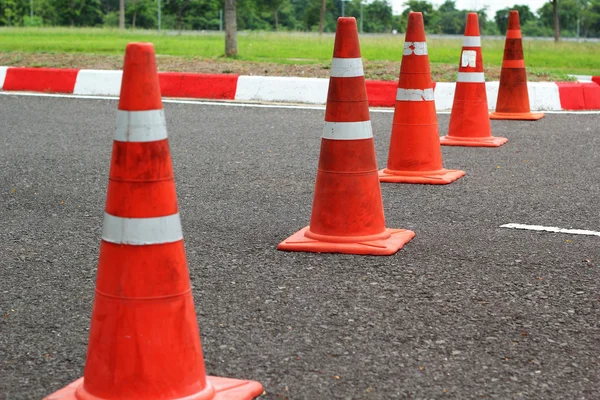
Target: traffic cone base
216, 389
490, 141
384, 244
439, 177
517, 116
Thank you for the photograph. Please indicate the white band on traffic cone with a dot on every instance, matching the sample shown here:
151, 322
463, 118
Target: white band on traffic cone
346, 67
416, 48
141, 231
472, 77
347, 130
414, 94
472, 41
141, 126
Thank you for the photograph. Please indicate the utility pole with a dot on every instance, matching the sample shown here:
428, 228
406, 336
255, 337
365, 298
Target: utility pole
220, 20
31, 9
361, 17
159, 16
122, 14
343, 2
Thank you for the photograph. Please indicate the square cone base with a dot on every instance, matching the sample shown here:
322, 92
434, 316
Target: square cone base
517, 116
225, 389
489, 141
442, 177
384, 247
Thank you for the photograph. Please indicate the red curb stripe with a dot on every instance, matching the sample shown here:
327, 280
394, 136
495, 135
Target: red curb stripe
206, 86
54, 80
596, 79
579, 96
382, 93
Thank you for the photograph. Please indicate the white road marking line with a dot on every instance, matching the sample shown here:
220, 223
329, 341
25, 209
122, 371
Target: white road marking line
232, 103
552, 229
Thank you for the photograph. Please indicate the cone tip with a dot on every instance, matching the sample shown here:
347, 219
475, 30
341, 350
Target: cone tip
513, 20
346, 39
415, 29
140, 88
347, 25
472, 27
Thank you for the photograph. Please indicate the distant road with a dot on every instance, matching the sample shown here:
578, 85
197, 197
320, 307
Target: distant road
431, 35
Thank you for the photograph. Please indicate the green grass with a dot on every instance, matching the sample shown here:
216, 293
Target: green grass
294, 48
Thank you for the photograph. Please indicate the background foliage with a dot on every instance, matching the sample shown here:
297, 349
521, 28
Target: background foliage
295, 15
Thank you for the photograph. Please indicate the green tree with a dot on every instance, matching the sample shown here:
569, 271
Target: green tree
431, 16
590, 18
568, 12
142, 13
501, 17
12, 11
377, 16
452, 21
78, 12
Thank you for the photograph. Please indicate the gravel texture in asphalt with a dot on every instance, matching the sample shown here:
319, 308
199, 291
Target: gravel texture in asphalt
465, 310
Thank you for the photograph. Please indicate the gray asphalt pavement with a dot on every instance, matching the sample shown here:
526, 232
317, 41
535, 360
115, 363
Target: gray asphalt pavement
467, 310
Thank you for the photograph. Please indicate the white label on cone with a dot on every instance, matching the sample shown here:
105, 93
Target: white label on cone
468, 59
346, 67
473, 77
416, 48
141, 231
472, 41
414, 94
141, 126
347, 130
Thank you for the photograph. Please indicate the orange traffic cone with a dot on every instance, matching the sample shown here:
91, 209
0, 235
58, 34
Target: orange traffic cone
513, 97
144, 341
470, 118
347, 215
415, 155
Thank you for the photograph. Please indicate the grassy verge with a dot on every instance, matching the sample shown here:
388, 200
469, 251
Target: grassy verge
545, 60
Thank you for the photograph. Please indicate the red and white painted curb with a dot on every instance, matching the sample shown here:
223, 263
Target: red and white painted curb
551, 96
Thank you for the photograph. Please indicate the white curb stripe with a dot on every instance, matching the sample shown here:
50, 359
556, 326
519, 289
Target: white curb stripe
580, 78
472, 77
472, 41
285, 89
141, 231
2, 76
551, 229
416, 48
414, 94
98, 82
346, 67
347, 130
141, 126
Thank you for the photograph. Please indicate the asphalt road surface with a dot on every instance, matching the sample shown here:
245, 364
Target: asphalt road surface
466, 310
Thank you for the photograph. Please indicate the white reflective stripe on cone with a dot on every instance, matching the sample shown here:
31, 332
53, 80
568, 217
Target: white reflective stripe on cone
346, 67
347, 130
414, 94
141, 126
475, 77
418, 48
472, 41
141, 231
